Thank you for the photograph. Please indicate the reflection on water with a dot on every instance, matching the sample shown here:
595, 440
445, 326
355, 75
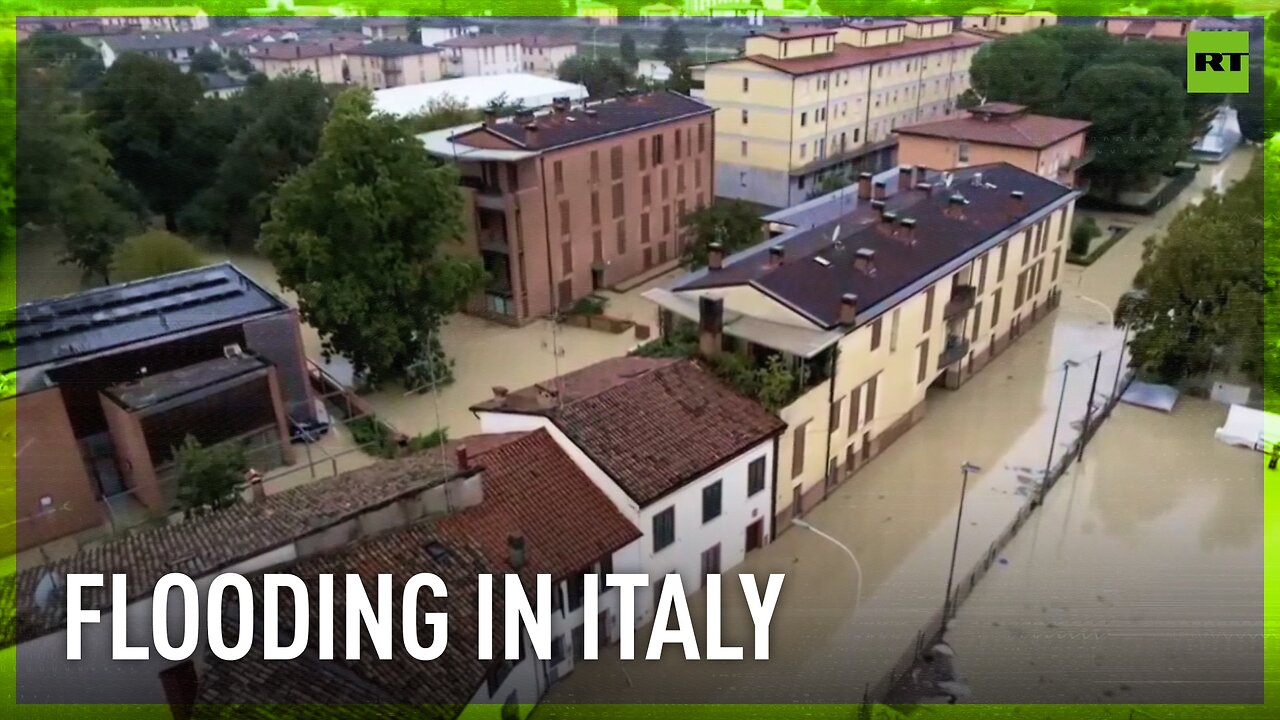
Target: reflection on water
1160, 602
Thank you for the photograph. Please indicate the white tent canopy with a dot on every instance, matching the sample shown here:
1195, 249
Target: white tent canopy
476, 92
1249, 428
1223, 135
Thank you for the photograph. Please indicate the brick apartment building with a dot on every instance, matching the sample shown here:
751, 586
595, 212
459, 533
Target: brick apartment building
110, 380
578, 199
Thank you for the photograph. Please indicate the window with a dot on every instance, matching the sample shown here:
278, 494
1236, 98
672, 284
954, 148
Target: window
982, 274
804, 147
804, 119
1039, 276
833, 416
622, 237
962, 153
744, 117
644, 154
618, 204
597, 246
855, 134
576, 587
679, 144
742, 176
558, 171
797, 449
595, 207
746, 85
595, 164
644, 229
679, 178
564, 217
1056, 257
872, 384
1022, 288
977, 321
711, 501
657, 150
923, 370
755, 476
893, 330
702, 137
1026, 246
995, 308
744, 148
615, 163
928, 309
666, 186
697, 175
566, 257
875, 334
646, 191
664, 528
855, 409
1062, 224
1004, 256
666, 220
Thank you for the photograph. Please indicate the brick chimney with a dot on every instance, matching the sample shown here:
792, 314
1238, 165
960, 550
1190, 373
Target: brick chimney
848, 309
865, 260
715, 256
887, 220
464, 462
710, 325
864, 186
879, 191
955, 206
877, 205
776, 256
490, 117
906, 177
908, 230
1017, 203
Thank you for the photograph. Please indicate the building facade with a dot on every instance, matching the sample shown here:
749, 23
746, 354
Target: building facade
392, 63
438, 30
1009, 24
478, 55
177, 48
1051, 147
928, 281
570, 201
803, 104
543, 54
324, 61
386, 28
681, 455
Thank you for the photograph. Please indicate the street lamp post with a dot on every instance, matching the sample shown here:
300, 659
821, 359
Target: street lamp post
965, 469
1053, 438
857, 598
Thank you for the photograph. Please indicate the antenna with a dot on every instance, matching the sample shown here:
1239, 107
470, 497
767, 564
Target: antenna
947, 179
835, 237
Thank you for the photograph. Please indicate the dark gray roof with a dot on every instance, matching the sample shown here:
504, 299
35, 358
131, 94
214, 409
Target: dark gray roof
59, 329
814, 289
606, 118
391, 48
162, 387
158, 41
219, 81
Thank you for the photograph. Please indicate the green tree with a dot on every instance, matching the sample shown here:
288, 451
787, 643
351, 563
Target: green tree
1024, 69
604, 77
1259, 110
1139, 127
503, 106
209, 478
145, 112
1201, 295
276, 127
238, 63
1081, 45
153, 253
681, 79
207, 60
360, 235
441, 113
734, 224
627, 51
672, 46
81, 65
1273, 27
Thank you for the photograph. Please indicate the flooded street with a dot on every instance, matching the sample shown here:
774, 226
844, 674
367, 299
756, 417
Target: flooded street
831, 639
1139, 580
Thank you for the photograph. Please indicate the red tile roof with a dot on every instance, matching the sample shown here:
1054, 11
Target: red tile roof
652, 424
532, 488
476, 41
546, 41
845, 56
298, 51
1014, 130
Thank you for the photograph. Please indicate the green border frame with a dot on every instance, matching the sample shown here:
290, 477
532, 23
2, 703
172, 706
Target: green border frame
10, 9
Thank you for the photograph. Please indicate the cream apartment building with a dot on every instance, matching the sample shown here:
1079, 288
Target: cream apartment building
929, 276
1009, 24
323, 60
477, 55
543, 54
392, 63
805, 103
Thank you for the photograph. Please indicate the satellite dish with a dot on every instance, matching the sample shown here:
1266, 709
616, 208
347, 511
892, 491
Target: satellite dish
947, 178
835, 236
51, 590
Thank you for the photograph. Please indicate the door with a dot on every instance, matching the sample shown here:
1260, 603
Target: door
797, 509
710, 562
755, 535
566, 294
866, 447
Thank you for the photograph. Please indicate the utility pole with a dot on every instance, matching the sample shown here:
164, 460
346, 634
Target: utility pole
965, 469
1124, 345
1053, 438
1088, 413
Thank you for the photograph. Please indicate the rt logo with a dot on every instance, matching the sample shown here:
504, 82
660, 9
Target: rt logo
1218, 62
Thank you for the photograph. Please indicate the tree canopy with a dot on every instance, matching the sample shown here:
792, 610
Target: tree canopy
604, 77
153, 253
361, 235
1201, 290
443, 112
1027, 69
734, 224
672, 46
627, 51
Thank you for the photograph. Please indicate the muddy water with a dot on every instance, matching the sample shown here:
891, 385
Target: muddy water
1139, 581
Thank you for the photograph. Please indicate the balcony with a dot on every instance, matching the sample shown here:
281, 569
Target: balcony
962, 299
1074, 164
488, 195
957, 347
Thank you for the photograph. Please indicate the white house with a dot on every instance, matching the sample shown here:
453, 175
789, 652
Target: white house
436, 32
476, 55
177, 48
684, 457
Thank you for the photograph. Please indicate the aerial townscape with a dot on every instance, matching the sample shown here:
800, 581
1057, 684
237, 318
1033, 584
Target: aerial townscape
955, 320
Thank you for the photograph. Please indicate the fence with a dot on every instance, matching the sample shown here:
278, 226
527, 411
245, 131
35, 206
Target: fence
931, 632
